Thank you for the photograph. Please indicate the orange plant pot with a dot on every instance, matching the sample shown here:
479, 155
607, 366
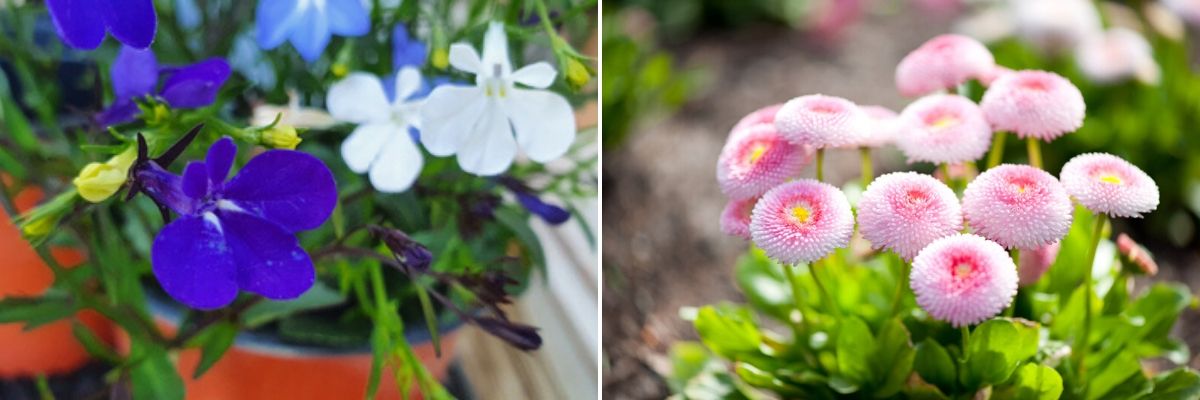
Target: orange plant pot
51, 348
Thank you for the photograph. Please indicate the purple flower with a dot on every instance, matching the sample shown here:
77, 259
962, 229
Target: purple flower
550, 213
240, 234
309, 24
405, 50
82, 23
135, 74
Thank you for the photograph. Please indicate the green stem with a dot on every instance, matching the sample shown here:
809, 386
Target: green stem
997, 153
868, 171
945, 167
797, 297
966, 335
1035, 151
820, 164
900, 281
837, 313
1081, 341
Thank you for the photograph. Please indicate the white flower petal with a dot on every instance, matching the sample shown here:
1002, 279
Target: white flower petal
408, 81
464, 58
449, 112
363, 146
538, 75
398, 164
489, 148
359, 98
544, 121
495, 51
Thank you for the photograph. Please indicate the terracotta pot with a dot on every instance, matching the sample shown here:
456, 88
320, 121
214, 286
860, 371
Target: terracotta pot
52, 348
259, 366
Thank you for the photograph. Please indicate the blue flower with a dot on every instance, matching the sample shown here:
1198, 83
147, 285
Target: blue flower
550, 213
407, 52
240, 234
135, 74
83, 23
309, 24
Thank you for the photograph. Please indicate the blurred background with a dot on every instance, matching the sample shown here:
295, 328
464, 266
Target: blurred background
679, 73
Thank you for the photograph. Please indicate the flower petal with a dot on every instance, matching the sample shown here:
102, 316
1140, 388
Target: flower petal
76, 22
195, 85
289, 188
495, 51
120, 112
220, 159
359, 98
132, 22
269, 259
193, 263
406, 51
464, 58
347, 17
134, 73
398, 165
488, 149
364, 144
312, 34
274, 20
538, 75
449, 112
544, 123
195, 180
408, 81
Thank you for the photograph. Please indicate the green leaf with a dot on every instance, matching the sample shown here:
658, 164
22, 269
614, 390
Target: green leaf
856, 349
765, 380
518, 223
1033, 382
995, 350
17, 124
934, 365
687, 360
35, 311
213, 343
1112, 375
764, 284
154, 377
729, 331
1179, 384
92, 343
893, 361
319, 296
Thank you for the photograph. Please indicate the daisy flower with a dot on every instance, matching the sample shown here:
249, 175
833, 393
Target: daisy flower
735, 218
1018, 206
801, 221
1034, 263
883, 124
1035, 104
905, 211
963, 279
756, 160
1137, 255
1107, 184
382, 144
1055, 25
1116, 55
943, 128
765, 115
822, 121
478, 122
943, 62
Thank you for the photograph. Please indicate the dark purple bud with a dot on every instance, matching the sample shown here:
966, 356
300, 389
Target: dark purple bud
521, 336
550, 213
407, 251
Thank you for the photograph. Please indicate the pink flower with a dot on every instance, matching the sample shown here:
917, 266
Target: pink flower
943, 62
801, 221
757, 159
1035, 263
883, 126
991, 76
1137, 255
822, 121
1188, 10
1116, 55
735, 219
963, 279
943, 128
1018, 206
905, 211
1107, 184
1036, 104
765, 115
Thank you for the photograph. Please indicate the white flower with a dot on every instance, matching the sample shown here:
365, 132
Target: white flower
381, 143
478, 122
1115, 55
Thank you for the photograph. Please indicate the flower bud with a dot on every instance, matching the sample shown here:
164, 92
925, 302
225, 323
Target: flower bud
280, 137
339, 70
577, 74
440, 58
98, 181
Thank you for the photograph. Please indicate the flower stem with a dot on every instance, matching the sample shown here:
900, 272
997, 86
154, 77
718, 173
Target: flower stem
797, 297
820, 165
1035, 151
837, 313
900, 281
997, 153
1081, 342
966, 335
868, 171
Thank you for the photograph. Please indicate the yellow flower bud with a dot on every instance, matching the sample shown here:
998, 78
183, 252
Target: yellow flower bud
98, 181
440, 58
40, 226
280, 137
577, 74
339, 70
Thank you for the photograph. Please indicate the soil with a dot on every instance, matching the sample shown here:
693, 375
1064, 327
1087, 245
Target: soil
663, 248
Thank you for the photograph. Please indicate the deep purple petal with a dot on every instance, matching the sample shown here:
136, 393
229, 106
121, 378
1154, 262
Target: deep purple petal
120, 112
194, 264
220, 160
134, 73
195, 180
550, 213
76, 22
289, 188
269, 260
165, 188
347, 17
195, 85
132, 22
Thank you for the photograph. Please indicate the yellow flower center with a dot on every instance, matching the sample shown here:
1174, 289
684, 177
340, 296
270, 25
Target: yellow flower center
802, 214
944, 122
757, 153
962, 270
1111, 178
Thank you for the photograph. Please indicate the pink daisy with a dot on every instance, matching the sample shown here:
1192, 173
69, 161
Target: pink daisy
801, 221
735, 219
905, 211
943, 128
1137, 255
943, 62
765, 115
1035, 263
1116, 55
963, 279
822, 121
1018, 206
991, 76
1036, 104
883, 126
757, 159
1107, 184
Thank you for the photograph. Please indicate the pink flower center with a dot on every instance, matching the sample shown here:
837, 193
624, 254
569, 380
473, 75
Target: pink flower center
939, 121
1034, 83
825, 107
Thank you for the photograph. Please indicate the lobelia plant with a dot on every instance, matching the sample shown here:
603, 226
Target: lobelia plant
337, 222
1007, 293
